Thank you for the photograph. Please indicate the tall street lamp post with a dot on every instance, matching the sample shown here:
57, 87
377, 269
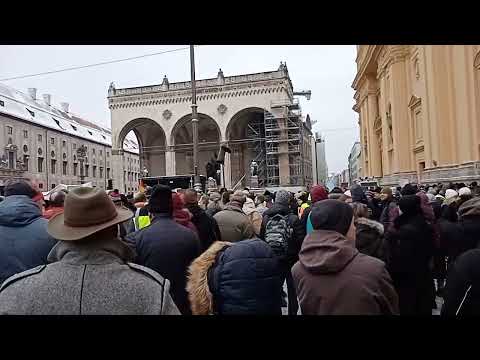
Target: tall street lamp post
197, 184
81, 154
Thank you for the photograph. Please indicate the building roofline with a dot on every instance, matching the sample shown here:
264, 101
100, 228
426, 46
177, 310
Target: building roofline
69, 118
201, 83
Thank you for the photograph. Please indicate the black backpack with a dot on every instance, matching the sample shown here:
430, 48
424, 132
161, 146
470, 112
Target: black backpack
278, 233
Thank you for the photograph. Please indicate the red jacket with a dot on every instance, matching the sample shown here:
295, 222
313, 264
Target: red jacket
52, 211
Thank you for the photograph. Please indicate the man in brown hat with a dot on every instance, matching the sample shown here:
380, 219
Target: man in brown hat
90, 272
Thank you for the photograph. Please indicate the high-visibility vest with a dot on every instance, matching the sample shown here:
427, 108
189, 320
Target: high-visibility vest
302, 208
141, 219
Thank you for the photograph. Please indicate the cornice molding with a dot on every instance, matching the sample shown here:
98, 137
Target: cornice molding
363, 61
391, 54
164, 99
205, 84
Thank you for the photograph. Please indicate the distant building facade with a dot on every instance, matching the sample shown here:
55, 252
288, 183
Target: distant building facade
256, 115
39, 141
419, 110
319, 162
344, 177
355, 162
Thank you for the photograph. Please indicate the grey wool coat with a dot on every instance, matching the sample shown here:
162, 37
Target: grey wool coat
93, 278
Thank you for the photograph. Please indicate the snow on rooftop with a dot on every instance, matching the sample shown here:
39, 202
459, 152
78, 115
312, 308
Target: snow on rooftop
22, 106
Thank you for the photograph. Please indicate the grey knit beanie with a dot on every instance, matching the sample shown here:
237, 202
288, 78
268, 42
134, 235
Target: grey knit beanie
282, 197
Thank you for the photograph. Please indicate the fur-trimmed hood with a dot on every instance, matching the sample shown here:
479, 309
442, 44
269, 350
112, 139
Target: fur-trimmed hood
243, 278
197, 281
375, 225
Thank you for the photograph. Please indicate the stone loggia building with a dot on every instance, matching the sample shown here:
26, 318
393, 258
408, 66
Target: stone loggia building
39, 141
255, 115
419, 112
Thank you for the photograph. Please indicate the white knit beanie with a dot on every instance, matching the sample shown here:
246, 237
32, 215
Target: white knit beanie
464, 191
450, 193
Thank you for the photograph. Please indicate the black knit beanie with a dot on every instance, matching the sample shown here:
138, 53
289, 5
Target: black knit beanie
19, 187
410, 205
161, 200
331, 215
408, 189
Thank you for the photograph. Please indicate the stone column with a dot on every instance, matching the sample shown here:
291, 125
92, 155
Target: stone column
374, 145
117, 168
400, 120
228, 171
364, 156
438, 105
465, 121
170, 162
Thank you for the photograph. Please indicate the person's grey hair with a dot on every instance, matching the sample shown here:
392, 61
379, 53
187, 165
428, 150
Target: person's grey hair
57, 198
238, 196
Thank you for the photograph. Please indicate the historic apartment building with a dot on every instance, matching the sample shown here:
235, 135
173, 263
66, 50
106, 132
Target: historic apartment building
40, 142
319, 161
258, 116
419, 112
355, 162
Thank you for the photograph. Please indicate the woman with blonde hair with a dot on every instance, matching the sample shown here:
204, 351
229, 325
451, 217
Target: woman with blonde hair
369, 233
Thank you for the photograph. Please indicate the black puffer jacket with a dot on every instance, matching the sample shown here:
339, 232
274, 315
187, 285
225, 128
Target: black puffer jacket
207, 226
463, 285
457, 238
168, 248
409, 250
299, 230
243, 278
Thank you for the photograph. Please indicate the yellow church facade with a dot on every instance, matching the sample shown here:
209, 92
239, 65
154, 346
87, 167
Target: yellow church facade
419, 112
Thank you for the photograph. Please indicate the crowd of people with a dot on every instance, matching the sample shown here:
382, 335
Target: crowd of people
356, 251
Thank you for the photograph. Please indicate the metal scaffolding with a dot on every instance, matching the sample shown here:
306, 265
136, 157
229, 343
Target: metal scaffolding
256, 133
284, 138
276, 142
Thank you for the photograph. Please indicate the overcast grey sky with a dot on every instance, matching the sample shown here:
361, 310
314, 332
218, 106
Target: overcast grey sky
327, 71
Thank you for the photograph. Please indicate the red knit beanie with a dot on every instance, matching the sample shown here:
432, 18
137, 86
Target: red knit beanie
318, 192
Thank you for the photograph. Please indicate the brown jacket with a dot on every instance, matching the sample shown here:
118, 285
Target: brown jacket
333, 278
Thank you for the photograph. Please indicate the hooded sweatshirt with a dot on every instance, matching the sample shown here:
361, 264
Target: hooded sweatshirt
181, 215
24, 241
333, 278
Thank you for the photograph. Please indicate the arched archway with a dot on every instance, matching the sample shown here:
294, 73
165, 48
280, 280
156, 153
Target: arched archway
245, 134
151, 143
182, 139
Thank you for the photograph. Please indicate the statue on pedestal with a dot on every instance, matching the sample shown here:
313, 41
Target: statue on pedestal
212, 169
253, 168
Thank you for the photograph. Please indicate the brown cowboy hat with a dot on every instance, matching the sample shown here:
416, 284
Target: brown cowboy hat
86, 211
